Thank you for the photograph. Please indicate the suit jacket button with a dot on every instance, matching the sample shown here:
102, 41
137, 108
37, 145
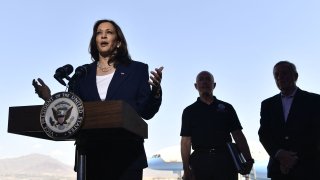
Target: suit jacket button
286, 138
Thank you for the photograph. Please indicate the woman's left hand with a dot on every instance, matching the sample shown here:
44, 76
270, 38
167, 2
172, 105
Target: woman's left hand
156, 77
155, 81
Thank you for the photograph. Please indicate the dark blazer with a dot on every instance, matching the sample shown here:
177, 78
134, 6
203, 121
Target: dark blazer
297, 134
130, 84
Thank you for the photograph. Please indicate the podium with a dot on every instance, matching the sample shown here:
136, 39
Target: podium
117, 117
114, 115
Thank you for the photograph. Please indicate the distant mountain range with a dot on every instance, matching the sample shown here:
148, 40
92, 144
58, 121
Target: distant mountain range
35, 167
43, 167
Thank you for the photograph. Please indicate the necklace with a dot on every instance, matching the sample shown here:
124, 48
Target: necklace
104, 69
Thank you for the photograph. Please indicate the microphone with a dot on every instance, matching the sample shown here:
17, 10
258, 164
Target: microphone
63, 72
80, 71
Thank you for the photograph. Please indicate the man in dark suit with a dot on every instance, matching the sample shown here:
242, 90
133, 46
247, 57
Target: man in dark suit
289, 127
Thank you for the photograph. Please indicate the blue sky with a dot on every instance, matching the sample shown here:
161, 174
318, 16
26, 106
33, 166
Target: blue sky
238, 41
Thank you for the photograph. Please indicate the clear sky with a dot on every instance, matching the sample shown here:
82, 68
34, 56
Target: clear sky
238, 41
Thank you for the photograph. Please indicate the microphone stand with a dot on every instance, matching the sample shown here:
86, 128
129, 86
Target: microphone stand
80, 153
80, 166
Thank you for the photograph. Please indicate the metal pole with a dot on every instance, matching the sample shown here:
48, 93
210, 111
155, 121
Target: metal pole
81, 166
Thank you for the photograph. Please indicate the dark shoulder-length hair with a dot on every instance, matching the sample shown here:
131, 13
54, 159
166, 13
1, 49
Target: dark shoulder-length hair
121, 54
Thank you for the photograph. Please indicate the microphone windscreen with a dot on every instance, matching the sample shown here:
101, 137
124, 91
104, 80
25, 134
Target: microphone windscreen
68, 68
63, 72
81, 70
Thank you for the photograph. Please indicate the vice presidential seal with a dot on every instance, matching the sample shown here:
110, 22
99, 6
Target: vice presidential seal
62, 115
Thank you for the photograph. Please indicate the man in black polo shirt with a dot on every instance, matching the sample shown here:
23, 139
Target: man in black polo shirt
206, 126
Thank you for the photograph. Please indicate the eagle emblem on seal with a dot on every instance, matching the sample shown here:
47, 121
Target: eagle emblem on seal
61, 115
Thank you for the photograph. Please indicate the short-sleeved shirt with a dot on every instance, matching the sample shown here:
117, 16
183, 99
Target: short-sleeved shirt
209, 126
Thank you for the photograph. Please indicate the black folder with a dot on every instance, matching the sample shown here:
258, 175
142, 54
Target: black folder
237, 156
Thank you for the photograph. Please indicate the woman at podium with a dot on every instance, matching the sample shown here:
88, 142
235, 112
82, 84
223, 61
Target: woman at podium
113, 75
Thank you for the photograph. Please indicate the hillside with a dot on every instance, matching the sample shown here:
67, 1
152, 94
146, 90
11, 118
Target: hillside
35, 167
42, 167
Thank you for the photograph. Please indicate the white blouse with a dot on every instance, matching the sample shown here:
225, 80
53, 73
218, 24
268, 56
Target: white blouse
103, 83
